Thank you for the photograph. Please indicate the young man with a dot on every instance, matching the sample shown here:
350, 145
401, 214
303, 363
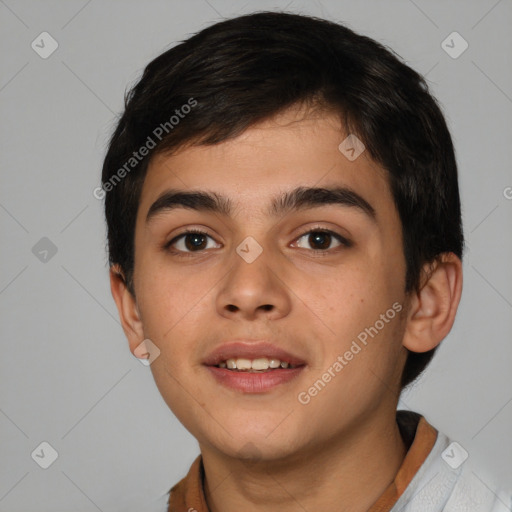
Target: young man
285, 243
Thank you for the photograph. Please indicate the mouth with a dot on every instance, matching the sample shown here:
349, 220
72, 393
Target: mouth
253, 367
260, 364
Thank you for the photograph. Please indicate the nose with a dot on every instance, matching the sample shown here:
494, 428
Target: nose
254, 288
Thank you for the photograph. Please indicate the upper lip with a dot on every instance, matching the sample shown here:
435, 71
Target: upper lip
250, 350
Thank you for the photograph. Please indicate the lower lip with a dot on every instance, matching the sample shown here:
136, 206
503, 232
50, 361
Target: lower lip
254, 382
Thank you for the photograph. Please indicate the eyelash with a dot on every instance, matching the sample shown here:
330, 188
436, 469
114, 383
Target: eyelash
320, 252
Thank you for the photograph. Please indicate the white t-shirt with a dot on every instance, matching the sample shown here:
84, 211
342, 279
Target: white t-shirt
448, 482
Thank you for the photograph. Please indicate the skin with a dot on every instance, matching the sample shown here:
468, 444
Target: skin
268, 451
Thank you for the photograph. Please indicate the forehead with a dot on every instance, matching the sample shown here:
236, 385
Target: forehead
277, 155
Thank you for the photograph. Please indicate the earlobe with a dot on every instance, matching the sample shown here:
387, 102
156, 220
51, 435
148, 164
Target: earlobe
432, 309
127, 307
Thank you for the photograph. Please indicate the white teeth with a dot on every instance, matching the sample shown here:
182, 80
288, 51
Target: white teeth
258, 364
243, 364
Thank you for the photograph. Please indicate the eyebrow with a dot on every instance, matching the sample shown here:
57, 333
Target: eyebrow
300, 198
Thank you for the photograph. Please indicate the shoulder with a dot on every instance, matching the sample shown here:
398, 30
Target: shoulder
448, 481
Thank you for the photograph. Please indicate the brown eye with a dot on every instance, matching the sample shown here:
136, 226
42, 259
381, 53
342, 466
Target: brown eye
321, 240
190, 241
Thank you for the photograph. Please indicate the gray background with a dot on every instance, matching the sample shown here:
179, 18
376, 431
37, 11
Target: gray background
67, 376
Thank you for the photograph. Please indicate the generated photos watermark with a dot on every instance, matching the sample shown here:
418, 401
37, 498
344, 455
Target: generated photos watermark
137, 156
304, 397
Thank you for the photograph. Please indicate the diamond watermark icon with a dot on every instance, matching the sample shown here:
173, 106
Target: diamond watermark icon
249, 249
44, 250
352, 147
454, 455
250, 452
146, 352
44, 45
44, 455
454, 45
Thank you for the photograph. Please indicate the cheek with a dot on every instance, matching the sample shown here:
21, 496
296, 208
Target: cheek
359, 369
350, 300
362, 307
168, 298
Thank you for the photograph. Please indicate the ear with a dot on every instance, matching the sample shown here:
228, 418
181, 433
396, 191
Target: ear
432, 309
127, 307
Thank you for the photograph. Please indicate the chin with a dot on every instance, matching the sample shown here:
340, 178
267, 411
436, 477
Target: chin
256, 445
258, 450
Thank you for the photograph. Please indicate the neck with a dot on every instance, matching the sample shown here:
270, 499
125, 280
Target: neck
347, 473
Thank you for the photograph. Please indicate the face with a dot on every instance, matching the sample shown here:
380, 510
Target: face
316, 281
